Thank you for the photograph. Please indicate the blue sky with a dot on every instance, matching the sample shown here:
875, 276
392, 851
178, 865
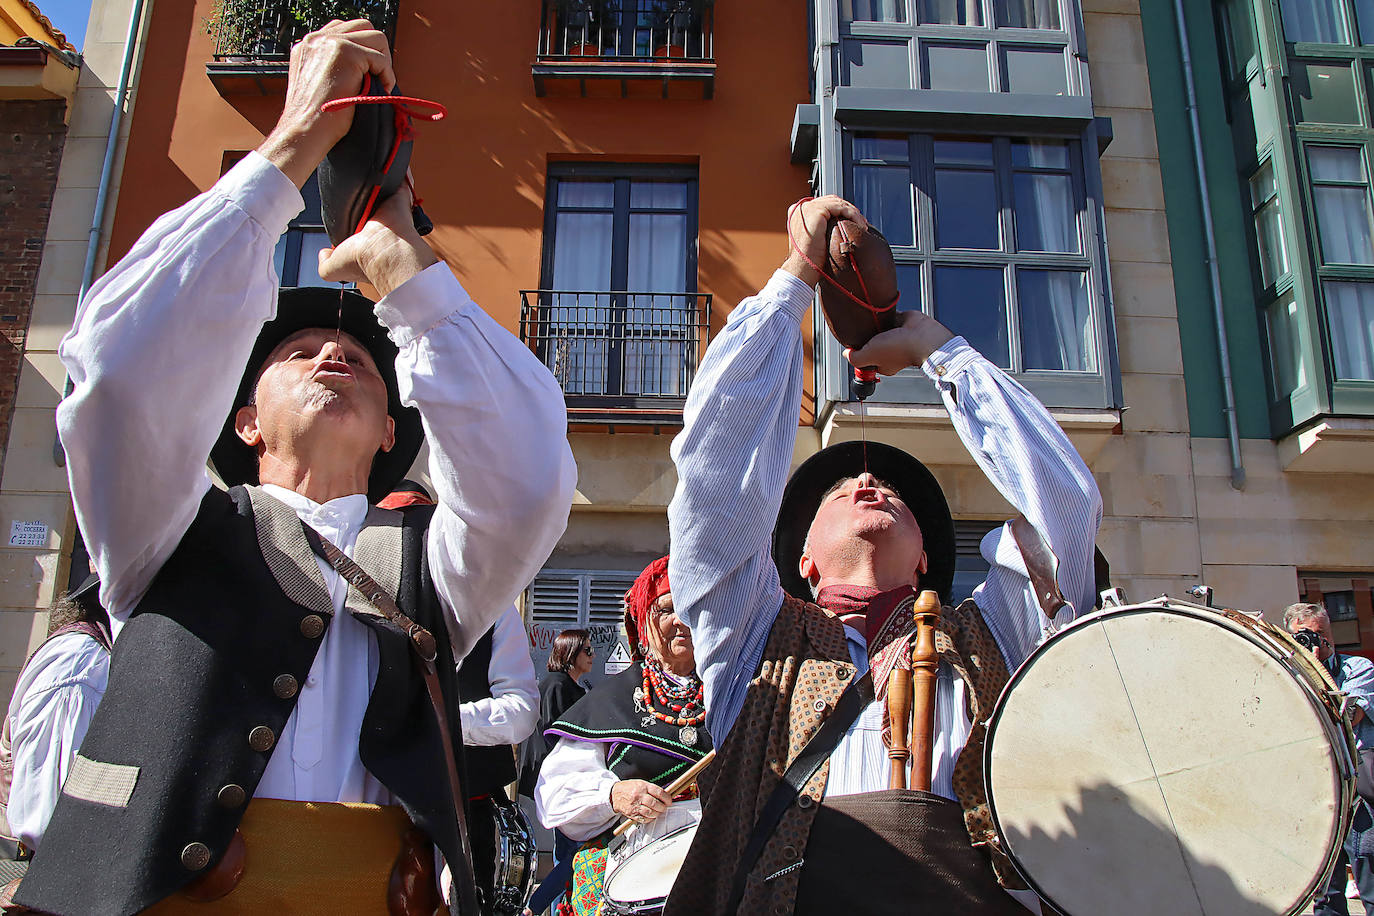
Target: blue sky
68, 17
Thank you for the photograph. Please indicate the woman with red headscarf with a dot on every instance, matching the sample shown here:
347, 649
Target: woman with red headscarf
631, 736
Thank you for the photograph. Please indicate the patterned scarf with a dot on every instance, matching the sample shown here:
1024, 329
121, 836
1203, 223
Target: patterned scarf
875, 614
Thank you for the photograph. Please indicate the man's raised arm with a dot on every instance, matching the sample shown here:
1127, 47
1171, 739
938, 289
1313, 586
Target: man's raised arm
160, 341
1027, 457
732, 459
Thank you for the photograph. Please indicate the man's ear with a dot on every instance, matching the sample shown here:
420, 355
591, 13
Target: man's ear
921, 566
389, 440
807, 567
246, 426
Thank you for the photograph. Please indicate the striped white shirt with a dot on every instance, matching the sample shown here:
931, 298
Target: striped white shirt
733, 458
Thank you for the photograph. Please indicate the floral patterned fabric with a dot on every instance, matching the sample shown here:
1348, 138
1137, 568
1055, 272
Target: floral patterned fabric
589, 876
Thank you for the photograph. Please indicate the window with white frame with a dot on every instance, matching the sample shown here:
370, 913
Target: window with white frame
992, 236
1017, 46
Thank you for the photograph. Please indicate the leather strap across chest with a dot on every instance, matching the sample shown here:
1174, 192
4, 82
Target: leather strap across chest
423, 644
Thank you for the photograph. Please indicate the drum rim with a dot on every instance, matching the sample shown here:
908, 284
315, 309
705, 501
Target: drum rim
511, 813
606, 885
1345, 764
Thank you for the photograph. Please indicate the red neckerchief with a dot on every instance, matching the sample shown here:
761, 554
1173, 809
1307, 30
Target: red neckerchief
873, 613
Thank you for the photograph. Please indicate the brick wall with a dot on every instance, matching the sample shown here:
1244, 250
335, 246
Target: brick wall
31, 138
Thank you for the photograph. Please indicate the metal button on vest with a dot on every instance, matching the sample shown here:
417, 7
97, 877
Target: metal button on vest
789, 852
819, 706
261, 738
195, 856
843, 673
805, 801
285, 686
312, 625
233, 796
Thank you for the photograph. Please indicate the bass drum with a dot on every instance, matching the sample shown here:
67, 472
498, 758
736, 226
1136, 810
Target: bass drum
1170, 758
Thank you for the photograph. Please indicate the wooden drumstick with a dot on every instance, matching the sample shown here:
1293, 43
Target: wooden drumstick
925, 666
675, 787
899, 715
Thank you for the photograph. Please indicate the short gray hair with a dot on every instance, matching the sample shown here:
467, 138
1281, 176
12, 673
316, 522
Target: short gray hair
1295, 613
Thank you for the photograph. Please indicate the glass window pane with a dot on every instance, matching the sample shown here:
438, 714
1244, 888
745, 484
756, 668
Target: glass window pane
575, 193
1335, 163
312, 243
908, 287
873, 10
971, 301
883, 195
888, 149
1289, 369
963, 152
966, 210
1324, 93
1364, 15
1350, 314
1040, 72
1056, 323
1343, 222
658, 252
1262, 185
877, 64
962, 68
1273, 254
582, 251
1027, 14
1045, 215
1040, 154
1240, 34
1314, 20
279, 257
658, 195
950, 12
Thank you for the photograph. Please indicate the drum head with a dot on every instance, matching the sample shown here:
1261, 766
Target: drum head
648, 874
1149, 761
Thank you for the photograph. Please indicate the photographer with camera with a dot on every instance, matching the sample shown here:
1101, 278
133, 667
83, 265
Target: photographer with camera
1311, 626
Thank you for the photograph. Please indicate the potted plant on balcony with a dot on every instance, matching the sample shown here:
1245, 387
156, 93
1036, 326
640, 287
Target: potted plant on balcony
579, 28
258, 29
675, 24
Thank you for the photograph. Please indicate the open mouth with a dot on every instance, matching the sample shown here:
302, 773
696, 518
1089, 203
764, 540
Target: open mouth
332, 368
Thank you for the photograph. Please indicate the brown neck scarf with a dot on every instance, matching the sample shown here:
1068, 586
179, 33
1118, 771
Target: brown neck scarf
885, 619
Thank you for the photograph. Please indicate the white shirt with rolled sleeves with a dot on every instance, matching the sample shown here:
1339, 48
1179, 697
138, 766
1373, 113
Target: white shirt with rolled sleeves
733, 458
510, 714
155, 357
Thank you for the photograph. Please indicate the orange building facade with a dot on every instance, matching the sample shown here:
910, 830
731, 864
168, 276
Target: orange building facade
634, 146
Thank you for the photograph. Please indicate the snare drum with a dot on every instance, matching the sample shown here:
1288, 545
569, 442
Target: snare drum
1170, 758
643, 864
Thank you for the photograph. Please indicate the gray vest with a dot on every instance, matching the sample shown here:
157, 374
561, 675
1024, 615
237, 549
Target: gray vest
203, 678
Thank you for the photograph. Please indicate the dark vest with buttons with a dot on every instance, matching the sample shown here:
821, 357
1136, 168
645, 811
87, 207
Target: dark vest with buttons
488, 768
203, 678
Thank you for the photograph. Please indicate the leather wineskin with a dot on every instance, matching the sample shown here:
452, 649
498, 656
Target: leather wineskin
859, 259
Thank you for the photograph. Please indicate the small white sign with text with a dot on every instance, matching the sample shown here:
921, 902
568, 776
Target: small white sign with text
28, 534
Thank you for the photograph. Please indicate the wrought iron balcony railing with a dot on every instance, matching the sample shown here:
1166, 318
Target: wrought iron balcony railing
626, 40
624, 357
265, 30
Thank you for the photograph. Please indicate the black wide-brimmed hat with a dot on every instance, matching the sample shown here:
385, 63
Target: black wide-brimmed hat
914, 483
318, 307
